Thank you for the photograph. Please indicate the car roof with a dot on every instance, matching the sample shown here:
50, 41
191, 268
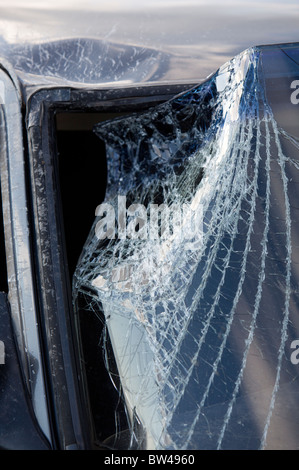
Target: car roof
113, 43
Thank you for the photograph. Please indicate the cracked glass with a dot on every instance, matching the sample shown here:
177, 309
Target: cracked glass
201, 315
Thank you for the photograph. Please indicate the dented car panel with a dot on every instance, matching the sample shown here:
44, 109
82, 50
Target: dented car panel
125, 332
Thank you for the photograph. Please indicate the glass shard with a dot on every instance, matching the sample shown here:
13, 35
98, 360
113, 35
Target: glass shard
193, 260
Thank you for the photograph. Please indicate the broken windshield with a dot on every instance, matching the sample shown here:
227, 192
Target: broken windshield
192, 261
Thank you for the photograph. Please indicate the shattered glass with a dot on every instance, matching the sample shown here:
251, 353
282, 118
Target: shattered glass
202, 325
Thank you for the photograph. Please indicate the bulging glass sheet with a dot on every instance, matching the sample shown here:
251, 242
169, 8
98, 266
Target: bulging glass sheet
193, 260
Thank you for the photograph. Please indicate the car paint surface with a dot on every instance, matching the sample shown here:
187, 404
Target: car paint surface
138, 41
